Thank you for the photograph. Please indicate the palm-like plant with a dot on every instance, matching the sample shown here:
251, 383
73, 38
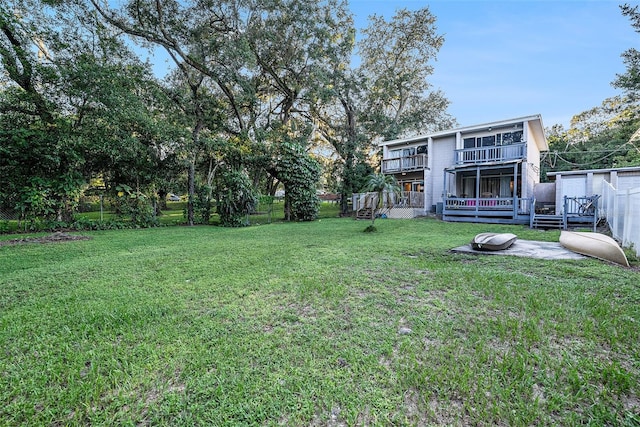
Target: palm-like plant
381, 184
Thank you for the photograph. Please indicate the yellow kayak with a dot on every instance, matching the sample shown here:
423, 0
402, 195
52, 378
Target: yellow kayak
594, 245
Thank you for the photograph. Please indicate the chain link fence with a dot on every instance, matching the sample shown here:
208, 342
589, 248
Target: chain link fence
8, 215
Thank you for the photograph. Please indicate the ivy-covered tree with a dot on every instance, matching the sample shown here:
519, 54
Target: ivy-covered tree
236, 198
299, 173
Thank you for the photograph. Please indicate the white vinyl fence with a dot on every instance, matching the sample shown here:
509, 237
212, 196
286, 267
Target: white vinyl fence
621, 208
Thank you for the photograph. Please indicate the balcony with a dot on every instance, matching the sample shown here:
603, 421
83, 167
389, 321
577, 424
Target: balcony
493, 154
404, 164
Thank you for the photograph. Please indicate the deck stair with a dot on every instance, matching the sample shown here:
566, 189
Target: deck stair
548, 221
364, 213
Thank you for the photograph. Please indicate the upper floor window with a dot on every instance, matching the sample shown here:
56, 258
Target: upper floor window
511, 137
504, 138
407, 152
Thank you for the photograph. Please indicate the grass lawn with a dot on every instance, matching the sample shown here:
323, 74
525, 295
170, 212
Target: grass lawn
315, 324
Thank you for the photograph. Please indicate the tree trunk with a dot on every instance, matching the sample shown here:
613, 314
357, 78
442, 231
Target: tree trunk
162, 201
350, 152
192, 190
346, 189
287, 206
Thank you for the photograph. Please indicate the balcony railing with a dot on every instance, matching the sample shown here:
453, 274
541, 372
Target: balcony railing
408, 199
497, 153
489, 206
404, 164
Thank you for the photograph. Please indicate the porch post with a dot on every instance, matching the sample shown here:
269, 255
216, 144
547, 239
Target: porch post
477, 188
515, 190
444, 190
425, 198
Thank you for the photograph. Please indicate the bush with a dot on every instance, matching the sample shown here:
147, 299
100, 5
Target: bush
299, 173
236, 198
202, 204
135, 206
79, 224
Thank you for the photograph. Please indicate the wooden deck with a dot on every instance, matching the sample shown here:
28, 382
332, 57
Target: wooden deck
576, 212
405, 204
490, 210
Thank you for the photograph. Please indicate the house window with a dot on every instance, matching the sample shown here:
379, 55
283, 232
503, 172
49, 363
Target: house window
468, 186
488, 141
505, 138
406, 152
408, 161
508, 138
416, 186
490, 186
469, 143
393, 162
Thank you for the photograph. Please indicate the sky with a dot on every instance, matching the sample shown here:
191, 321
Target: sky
509, 59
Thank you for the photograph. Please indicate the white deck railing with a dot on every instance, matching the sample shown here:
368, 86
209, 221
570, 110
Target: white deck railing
497, 153
404, 164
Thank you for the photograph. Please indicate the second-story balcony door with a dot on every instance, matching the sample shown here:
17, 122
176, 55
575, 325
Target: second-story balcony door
476, 145
408, 158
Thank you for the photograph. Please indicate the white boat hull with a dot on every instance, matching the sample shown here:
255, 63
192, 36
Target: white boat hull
493, 241
595, 245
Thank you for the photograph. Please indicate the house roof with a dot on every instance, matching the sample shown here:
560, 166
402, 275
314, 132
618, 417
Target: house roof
534, 120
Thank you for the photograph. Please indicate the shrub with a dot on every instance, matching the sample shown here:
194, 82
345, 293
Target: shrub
299, 173
135, 206
236, 198
202, 204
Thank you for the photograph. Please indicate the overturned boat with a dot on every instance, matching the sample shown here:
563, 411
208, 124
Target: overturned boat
595, 245
493, 241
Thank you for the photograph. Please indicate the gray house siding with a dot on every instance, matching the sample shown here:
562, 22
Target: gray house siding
443, 150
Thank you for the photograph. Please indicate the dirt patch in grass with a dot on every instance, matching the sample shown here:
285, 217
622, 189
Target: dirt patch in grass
448, 412
51, 238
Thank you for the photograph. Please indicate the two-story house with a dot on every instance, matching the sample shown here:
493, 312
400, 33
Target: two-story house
482, 173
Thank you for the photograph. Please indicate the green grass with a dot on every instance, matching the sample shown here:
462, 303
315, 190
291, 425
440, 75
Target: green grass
308, 324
